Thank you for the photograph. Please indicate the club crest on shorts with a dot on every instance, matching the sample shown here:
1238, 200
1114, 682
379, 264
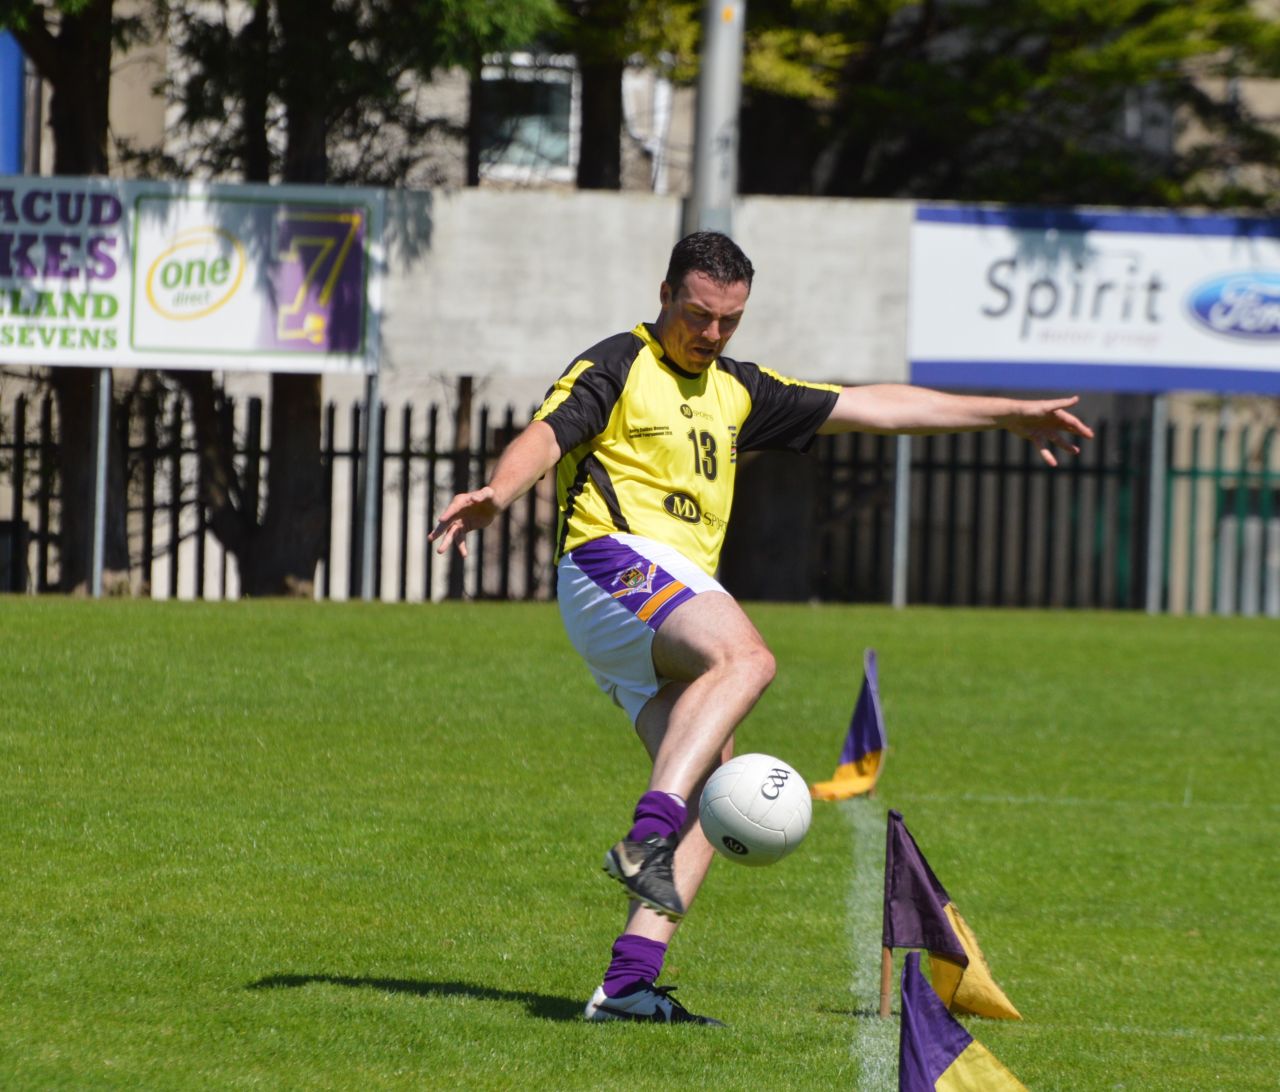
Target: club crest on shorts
633, 580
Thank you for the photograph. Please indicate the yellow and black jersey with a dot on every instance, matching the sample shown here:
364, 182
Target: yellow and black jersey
650, 449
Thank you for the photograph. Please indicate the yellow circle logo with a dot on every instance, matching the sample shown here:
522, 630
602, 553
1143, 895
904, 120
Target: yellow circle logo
197, 274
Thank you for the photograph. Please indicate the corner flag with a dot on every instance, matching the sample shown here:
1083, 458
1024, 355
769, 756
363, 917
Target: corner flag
863, 752
918, 913
935, 1053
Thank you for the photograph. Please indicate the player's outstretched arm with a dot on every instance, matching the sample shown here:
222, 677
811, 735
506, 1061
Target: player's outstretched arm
526, 459
1048, 425
900, 409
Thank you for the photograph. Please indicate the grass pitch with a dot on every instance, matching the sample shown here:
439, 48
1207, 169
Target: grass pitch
297, 845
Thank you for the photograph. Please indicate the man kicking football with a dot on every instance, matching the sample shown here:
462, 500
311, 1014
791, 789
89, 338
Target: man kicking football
644, 430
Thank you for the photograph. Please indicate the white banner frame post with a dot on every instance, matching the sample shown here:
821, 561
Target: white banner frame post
98, 534
901, 520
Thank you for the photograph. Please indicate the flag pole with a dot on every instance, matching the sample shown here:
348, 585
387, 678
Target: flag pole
886, 936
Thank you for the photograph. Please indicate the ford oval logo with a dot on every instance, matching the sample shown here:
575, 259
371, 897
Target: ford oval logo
1243, 305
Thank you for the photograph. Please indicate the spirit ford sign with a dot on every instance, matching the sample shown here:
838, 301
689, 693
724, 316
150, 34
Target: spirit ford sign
1076, 300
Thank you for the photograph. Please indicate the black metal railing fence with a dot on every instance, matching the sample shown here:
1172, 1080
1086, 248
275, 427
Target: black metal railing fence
990, 525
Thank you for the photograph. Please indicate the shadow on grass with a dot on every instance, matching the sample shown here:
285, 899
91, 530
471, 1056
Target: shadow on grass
867, 1013
538, 1004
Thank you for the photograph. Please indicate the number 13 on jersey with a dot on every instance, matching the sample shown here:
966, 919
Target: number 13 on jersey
704, 453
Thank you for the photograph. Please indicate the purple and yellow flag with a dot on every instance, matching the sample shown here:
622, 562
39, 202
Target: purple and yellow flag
918, 913
863, 752
935, 1053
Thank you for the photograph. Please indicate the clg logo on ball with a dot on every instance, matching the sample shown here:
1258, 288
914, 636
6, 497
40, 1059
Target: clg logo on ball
1240, 305
772, 784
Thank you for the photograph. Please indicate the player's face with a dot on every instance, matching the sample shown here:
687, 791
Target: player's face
698, 318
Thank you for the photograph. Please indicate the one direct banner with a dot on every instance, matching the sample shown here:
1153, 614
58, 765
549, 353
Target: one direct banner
99, 273
1076, 300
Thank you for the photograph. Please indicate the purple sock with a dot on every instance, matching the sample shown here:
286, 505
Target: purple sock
635, 959
658, 813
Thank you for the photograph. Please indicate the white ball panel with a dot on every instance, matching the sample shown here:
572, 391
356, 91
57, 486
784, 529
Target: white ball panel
755, 809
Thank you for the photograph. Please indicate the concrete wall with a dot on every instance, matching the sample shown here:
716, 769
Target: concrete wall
137, 113
510, 286
830, 295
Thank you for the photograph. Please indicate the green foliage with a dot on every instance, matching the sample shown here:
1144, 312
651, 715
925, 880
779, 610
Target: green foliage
1053, 101
662, 32
797, 63
267, 75
300, 845
24, 14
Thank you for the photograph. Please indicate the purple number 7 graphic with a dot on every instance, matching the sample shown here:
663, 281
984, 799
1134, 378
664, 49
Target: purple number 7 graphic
319, 279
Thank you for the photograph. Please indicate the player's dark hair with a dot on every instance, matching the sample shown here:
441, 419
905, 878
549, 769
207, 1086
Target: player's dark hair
711, 253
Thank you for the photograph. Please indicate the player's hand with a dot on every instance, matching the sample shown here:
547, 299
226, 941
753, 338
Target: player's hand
1048, 425
467, 512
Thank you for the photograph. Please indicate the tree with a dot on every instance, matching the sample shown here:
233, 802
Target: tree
70, 43
604, 36
1093, 101
312, 92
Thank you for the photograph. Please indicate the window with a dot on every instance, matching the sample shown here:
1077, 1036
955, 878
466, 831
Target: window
526, 109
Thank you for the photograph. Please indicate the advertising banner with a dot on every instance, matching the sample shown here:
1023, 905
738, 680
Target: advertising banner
1075, 300
99, 273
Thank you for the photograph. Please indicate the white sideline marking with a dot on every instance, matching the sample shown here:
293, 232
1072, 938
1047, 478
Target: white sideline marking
875, 1043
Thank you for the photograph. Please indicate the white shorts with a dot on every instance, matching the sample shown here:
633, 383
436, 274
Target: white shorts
614, 593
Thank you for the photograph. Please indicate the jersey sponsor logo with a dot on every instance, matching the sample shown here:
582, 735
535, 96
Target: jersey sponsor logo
690, 412
682, 506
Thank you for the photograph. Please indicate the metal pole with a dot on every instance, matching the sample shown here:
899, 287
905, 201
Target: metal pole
372, 463
101, 426
1159, 466
715, 156
901, 519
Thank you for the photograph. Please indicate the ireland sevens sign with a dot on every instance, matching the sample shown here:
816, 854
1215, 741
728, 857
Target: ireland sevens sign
149, 275
102, 274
